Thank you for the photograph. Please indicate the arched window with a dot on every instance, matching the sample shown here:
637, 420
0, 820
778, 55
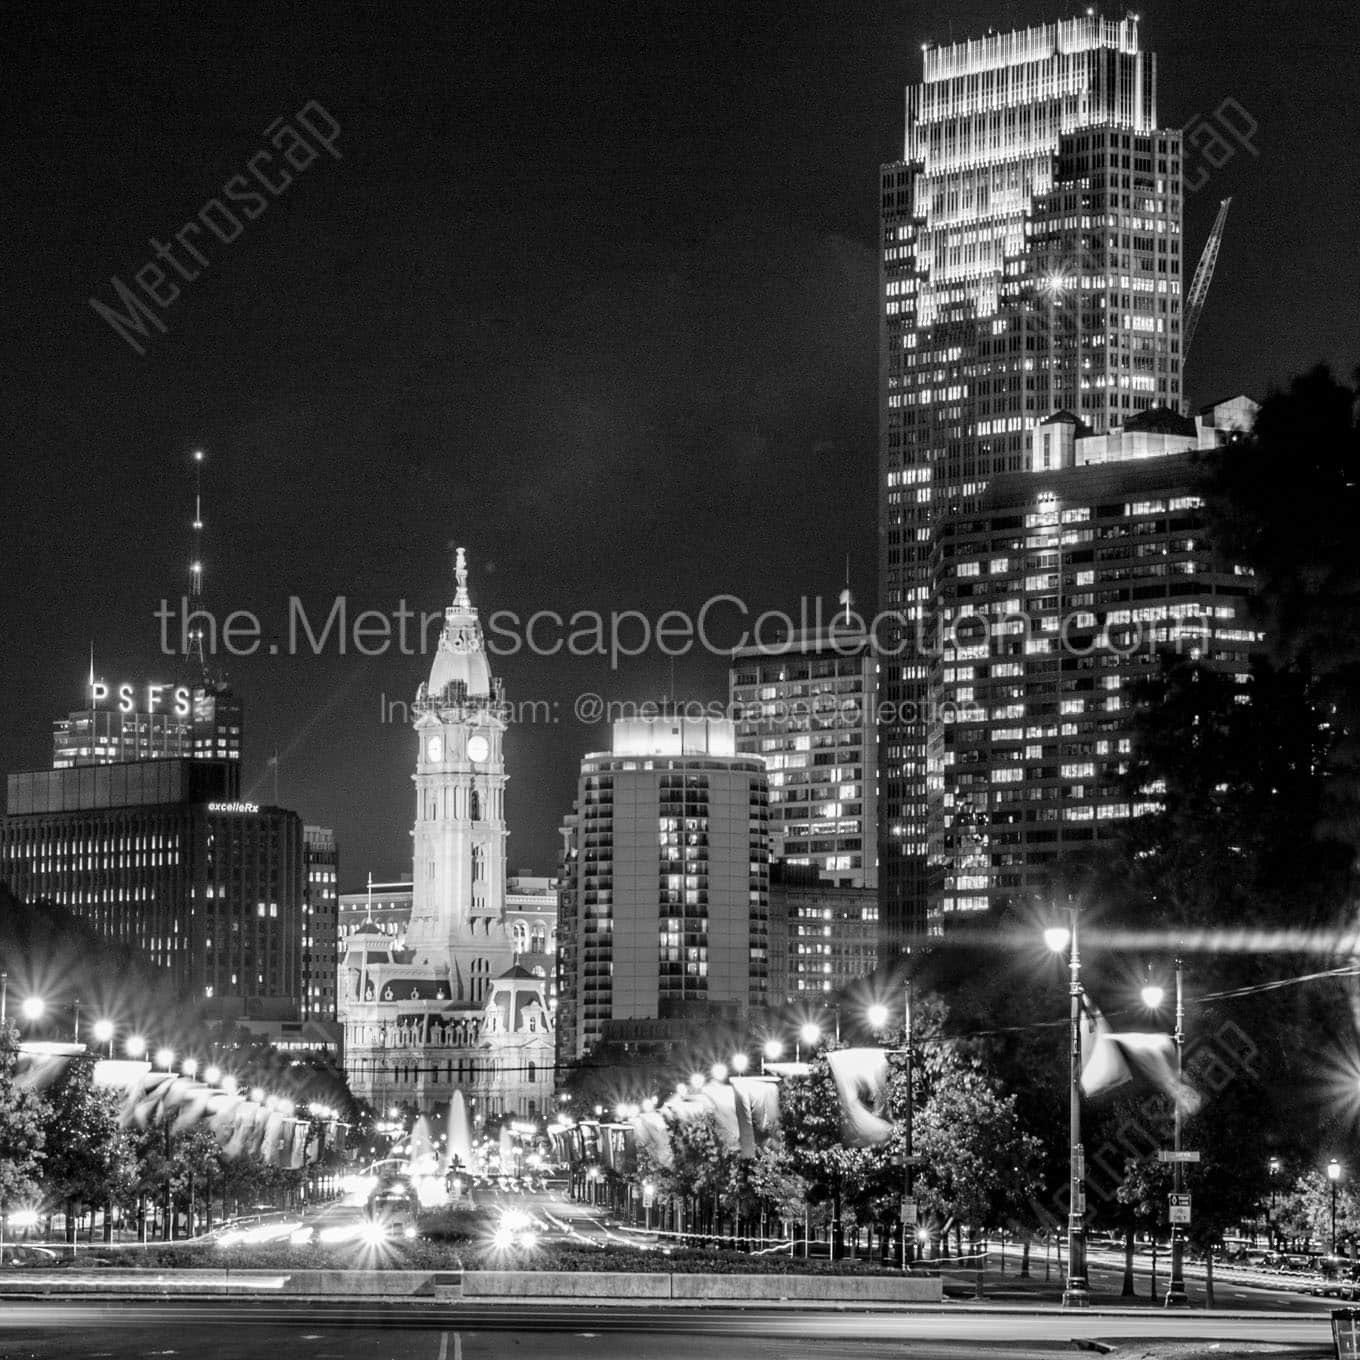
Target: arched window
475, 807
520, 937
533, 1071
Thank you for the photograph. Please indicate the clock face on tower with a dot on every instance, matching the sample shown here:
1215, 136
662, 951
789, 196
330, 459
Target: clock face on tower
434, 748
477, 748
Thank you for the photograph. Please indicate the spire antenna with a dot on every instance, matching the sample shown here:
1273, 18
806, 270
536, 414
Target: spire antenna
194, 629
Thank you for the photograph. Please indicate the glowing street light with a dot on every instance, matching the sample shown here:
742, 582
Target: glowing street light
1153, 996
134, 1046
1333, 1175
718, 1071
772, 1052
103, 1033
1056, 938
189, 1067
740, 1062
33, 1008
696, 1082
213, 1075
877, 1016
165, 1057
809, 1034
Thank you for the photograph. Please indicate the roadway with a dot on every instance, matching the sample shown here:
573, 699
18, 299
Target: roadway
243, 1330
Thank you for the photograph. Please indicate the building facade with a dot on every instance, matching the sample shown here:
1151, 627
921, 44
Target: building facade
446, 1008
155, 720
1031, 262
162, 856
665, 882
824, 936
320, 922
1057, 594
808, 707
530, 914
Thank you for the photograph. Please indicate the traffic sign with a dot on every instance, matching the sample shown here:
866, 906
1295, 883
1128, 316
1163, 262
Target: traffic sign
1179, 1206
909, 1212
1164, 1156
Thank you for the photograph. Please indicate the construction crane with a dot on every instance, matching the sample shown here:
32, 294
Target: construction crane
1204, 275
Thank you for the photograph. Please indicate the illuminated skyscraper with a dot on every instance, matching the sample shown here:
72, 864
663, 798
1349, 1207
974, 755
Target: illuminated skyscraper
665, 885
1031, 262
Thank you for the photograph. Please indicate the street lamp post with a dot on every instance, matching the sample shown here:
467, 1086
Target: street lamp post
908, 1203
1176, 1297
1076, 1293
1333, 1175
165, 1058
1273, 1167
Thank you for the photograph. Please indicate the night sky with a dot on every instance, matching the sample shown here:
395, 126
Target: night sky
590, 289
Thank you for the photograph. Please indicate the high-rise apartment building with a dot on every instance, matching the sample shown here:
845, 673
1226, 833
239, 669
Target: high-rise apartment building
320, 922
665, 883
808, 707
1057, 593
1031, 262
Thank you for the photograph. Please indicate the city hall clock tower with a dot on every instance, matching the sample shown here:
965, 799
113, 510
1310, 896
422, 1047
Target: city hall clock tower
458, 838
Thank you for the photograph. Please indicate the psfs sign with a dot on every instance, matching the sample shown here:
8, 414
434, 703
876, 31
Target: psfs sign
145, 698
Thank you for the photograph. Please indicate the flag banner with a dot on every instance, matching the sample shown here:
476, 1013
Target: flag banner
151, 1096
789, 1069
255, 1135
38, 1063
654, 1138
722, 1101
590, 1142
243, 1129
271, 1138
193, 1105
757, 1103
1111, 1060
120, 1074
222, 1116
298, 1152
861, 1078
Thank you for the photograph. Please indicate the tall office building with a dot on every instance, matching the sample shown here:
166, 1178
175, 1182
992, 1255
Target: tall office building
149, 721
665, 884
823, 937
1031, 262
161, 855
320, 922
807, 706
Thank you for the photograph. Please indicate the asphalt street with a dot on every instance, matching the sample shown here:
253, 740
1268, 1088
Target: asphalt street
244, 1331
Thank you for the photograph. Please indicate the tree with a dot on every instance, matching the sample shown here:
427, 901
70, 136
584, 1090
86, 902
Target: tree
1285, 502
702, 1166
979, 1167
89, 1157
835, 1175
21, 1128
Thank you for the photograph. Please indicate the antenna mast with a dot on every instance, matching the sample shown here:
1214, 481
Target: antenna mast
194, 652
